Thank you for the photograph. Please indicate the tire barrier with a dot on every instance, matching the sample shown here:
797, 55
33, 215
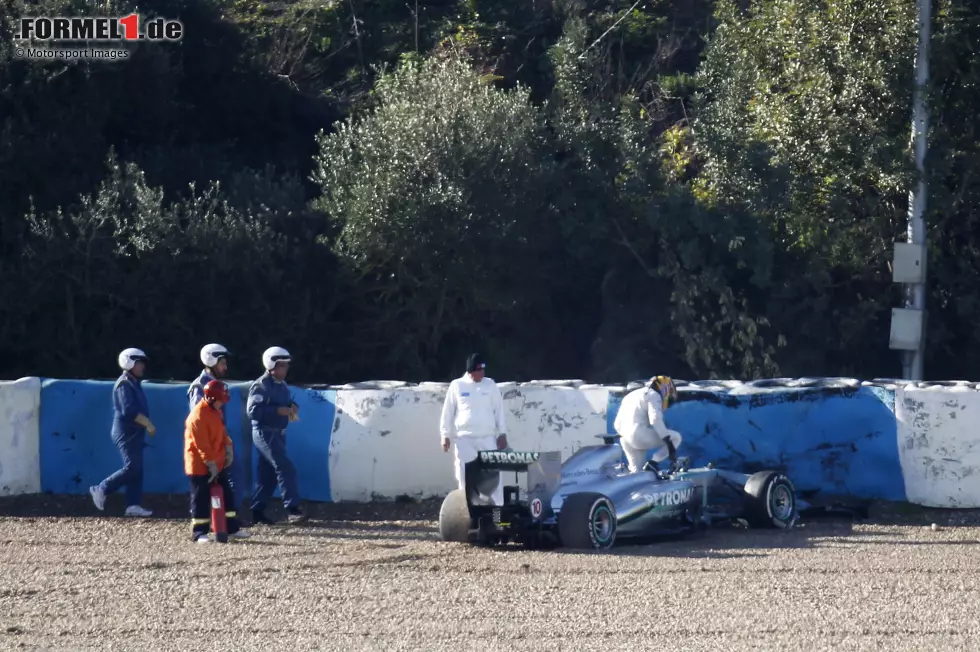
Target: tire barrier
20, 406
938, 444
836, 437
76, 449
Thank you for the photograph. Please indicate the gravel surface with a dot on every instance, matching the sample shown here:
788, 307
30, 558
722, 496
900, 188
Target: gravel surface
376, 578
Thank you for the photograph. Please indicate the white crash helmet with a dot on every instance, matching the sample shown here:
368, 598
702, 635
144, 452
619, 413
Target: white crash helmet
211, 353
129, 357
273, 355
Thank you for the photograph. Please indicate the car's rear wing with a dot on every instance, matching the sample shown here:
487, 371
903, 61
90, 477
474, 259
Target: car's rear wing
506, 460
543, 474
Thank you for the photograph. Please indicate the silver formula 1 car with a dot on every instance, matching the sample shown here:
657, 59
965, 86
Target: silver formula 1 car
592, 501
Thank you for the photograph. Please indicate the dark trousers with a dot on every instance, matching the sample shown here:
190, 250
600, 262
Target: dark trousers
201, 504
274, 468
131, 474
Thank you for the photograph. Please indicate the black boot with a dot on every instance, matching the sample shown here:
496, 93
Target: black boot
296, 516
260, 517
671, 454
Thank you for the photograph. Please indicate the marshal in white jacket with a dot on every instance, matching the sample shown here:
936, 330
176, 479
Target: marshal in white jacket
473, 409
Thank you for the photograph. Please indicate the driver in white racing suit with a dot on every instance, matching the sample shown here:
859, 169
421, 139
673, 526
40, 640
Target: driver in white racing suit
640, 423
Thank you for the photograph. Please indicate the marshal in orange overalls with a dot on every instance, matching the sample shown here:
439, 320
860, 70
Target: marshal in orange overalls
207, 457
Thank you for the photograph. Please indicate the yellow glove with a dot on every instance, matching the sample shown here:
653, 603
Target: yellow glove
146, 423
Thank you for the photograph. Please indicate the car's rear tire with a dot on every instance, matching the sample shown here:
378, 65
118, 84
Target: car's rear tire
454, 517
772, 501
587, 521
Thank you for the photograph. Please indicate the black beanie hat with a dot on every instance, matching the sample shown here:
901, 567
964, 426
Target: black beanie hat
475, 362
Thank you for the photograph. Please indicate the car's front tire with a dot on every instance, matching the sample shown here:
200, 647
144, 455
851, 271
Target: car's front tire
587, 521
772, 501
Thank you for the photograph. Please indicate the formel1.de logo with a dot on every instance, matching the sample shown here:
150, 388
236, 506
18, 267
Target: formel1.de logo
98, 28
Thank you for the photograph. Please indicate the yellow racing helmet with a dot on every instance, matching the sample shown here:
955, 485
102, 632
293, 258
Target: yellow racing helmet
665, 386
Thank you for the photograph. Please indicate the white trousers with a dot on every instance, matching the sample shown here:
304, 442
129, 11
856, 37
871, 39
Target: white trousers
637, 444
466, 449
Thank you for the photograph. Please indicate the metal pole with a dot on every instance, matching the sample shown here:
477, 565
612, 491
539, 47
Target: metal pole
915, 294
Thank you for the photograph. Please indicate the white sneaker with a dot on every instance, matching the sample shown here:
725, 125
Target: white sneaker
136, 510
241, 534
98, 497
202, 539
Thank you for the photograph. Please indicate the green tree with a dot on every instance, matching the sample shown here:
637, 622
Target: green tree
439, 198
126, 266
953, 208
674, 292
804, 123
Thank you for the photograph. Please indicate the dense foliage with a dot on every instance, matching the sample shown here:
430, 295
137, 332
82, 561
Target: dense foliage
600, 189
